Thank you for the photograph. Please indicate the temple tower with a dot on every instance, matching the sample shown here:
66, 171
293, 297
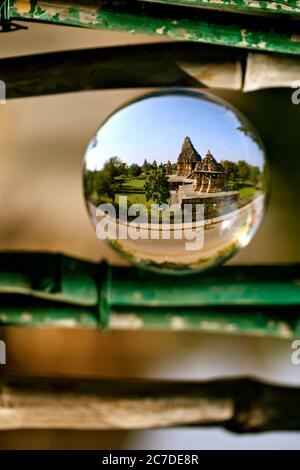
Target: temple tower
187, 159
208, 175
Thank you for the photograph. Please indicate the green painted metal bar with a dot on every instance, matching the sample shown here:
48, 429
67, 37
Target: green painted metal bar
49, 277
267, 7
175, 22
55, 290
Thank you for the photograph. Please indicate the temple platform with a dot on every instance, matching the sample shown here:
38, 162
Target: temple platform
220, 199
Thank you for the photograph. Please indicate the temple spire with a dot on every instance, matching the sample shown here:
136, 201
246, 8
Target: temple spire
188, 158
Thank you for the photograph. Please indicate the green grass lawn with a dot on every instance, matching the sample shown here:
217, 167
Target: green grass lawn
247, 194
132, 197
133, 183
135, 198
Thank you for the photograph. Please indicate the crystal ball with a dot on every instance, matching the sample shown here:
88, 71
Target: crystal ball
176, 181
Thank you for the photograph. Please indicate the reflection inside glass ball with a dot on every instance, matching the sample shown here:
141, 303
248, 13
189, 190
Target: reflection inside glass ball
176, 181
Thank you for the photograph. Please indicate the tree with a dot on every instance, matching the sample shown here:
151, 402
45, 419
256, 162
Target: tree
154, 164
254, 174
231, 170
123, 169
250, 133
105, 184
115, 167
146, 167
157, 186
88, 179
169, 168
134, 170
103, 188
243, 170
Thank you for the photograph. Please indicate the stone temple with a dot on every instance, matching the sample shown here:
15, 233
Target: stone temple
200, 180
187, 159
208, 175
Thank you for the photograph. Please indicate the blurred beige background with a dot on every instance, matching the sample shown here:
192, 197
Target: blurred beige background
42, 142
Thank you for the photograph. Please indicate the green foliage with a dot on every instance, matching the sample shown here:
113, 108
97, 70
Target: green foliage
134, 170
102, 182
231, 170
241, 173
102, 185
169, 168
146, 167
115, 167
254, 174
251, 134
87, 182
243, 169
157, 186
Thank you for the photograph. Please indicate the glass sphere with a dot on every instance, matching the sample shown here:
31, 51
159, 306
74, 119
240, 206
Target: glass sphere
176, 181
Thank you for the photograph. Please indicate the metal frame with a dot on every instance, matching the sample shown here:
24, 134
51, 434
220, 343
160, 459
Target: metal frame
54, 290
274, 30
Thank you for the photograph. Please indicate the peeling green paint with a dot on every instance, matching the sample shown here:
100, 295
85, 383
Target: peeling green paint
174, 22
54, 290
289, 7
